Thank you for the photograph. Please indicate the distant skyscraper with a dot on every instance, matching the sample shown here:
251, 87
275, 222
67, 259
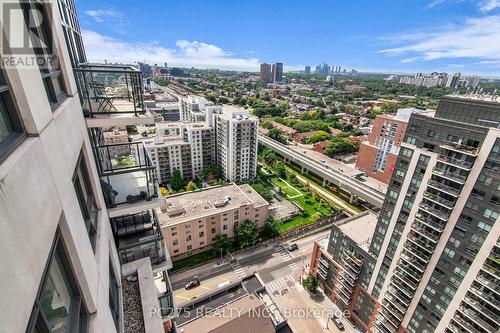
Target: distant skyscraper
277, 72
307, 70
453, 80
265, 73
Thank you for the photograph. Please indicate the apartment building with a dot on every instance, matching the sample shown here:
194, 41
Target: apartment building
191, 222
236, 143
436, 244
187, 147
68, 249
344, 267
377, 156
192, 108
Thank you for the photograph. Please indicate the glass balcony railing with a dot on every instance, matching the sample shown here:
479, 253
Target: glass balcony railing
494, 317
459, 147
444, 188
455, 161
421, 230
139, 236
439, 199
434, 211
110, 89
127, 173
454, 176
165, 295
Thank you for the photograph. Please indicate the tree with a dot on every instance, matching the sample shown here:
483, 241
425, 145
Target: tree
176, 180
246, 234
339, 146
317, 137
263, 191
276, 134
310, 284
271, 228
191, 186
280, 169
222, 244
268, 156
212, 170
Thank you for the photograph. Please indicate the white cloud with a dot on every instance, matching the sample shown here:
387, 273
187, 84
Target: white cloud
113, 19
186, 53
475, 38
488, 5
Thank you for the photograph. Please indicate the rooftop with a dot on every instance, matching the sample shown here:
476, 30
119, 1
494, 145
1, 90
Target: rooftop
477, 97
202, 203
360, 228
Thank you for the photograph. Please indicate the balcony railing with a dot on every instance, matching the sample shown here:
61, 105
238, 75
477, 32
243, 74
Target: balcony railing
455, 161
461, 148
434, 211
495, 317
165, 295
127, 173
436, 198
110, 89
139, 236
418, 227
454, 176
443, 187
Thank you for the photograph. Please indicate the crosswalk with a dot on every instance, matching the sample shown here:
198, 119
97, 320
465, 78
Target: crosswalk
240, 272
285, 256
284, 283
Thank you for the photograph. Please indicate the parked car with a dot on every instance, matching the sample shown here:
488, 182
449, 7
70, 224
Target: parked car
193, 283
338, 323
292, 247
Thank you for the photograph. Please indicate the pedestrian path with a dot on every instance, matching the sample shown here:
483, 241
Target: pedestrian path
285, 256
284, 283
240, 272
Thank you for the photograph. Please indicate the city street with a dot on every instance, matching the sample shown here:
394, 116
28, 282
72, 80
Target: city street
280, 270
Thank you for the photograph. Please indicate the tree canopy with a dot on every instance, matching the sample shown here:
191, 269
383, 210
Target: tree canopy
339, 146
246, 234
176, 181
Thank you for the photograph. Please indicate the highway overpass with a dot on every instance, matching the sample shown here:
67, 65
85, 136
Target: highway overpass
352, 185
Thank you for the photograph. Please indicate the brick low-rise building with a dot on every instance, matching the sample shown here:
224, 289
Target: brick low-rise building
191, 222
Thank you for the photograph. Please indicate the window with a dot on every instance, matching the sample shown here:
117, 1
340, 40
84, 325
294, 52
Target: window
86, 199
114, 296
224, 227
189, 247
406, 152
491, 214
58, 306
11, 130
41, 40
175, 242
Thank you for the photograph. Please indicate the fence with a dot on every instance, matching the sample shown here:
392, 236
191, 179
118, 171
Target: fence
314, 225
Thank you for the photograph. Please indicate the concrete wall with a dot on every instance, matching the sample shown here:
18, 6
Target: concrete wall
37, 196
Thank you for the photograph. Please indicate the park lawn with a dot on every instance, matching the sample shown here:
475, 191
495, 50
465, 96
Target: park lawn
289, 191
314, 208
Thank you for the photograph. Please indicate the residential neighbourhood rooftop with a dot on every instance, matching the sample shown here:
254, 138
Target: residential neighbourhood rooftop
360, 229
201, 203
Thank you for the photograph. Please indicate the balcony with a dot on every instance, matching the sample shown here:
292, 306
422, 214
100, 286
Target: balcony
486, 281
440, 200
398, 286
469, 317
460, 148
399, 275
139, 236
396, 303
418, 228
494, 317
348, 264
403, 298
394, 311
463, 164
413, 262
444, 188
434, 211
412, 249
165, 295
453, 176
421, 243
111, 95
488, 297
127, 178
435, 224
387, 321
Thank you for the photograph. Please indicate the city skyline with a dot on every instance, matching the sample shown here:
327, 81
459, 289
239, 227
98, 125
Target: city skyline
443, 36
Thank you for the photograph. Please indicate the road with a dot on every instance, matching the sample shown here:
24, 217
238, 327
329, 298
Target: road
361, 189
281, 272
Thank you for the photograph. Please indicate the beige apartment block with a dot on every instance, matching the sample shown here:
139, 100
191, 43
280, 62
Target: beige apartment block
190, 222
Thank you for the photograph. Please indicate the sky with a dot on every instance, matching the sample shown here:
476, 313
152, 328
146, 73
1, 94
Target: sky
368, 35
